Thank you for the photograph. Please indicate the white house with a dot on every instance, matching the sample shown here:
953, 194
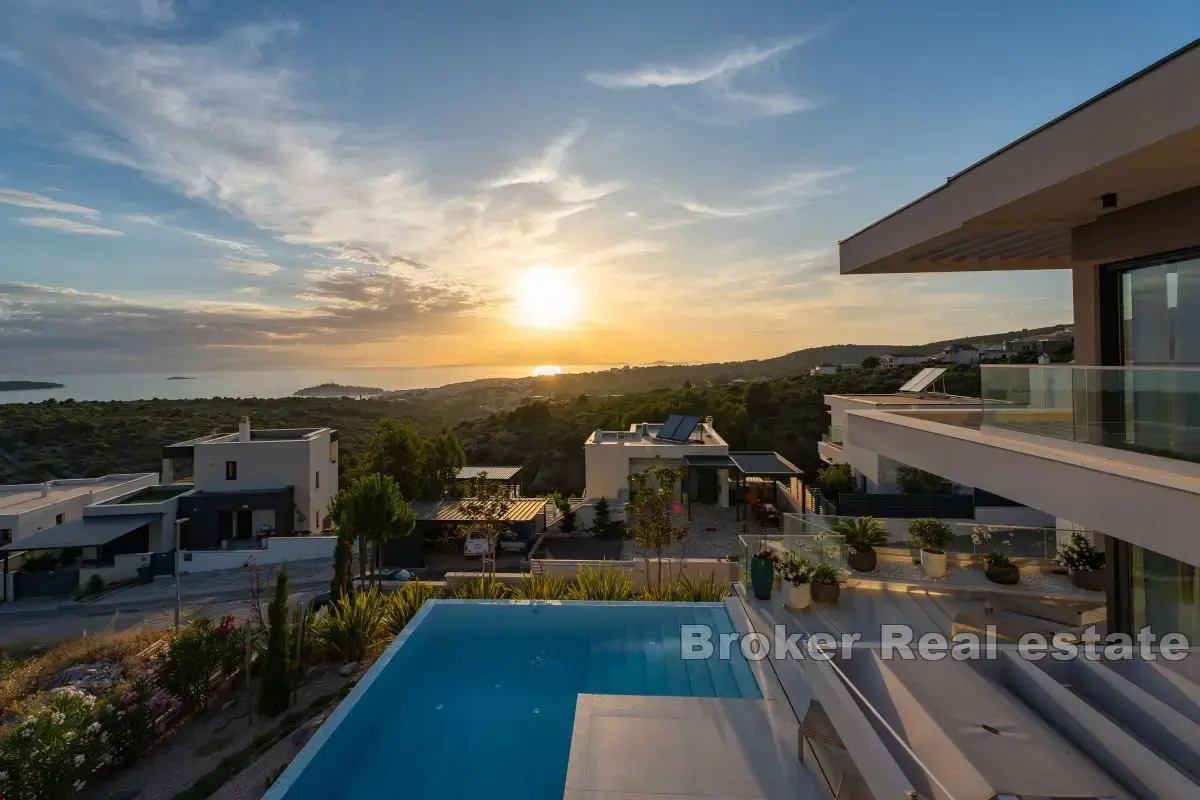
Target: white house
610, 457
824, 369
901, 359
958, 354
31, 507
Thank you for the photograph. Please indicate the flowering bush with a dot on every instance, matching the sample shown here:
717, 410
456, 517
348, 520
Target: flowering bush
188, 666
53, 750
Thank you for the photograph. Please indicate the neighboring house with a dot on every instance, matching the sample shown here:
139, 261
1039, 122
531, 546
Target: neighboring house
958, 354
901, 359
824, 369
509, 476
610, 457
987, 353
31, 507
1113, 449
256, 483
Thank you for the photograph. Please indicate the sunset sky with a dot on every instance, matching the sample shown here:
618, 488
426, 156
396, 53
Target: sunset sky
208, 184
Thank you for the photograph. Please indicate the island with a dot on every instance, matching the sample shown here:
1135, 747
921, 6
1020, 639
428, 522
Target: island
25, 386
181, 378
338, 390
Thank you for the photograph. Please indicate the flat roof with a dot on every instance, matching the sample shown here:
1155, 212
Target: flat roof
760, 463
492, 473
524, 509
82, 532
1015, 208
21, 498
904, 399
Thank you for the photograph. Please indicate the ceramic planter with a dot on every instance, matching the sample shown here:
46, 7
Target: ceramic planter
862, 562
933, 564
1094, 580
762, 577
826, 592
1007, 576
797, 596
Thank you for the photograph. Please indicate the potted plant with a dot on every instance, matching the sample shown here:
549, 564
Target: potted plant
762, 571
862, 535
999, 568
933, 536
795, 573
1084, 563
825, 586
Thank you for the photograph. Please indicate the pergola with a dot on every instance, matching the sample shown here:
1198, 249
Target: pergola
742, 466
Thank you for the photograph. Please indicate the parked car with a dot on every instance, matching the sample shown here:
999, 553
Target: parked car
386, 580
476, 544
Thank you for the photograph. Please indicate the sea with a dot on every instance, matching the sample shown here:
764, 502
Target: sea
263, 383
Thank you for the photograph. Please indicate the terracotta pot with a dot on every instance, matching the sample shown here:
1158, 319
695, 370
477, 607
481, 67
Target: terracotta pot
797, 596
1007, 576
933, 564
762, 577
826, 592
863, 562
1094, 580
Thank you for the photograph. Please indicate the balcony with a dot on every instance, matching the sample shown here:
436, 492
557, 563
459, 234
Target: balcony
829, 449
1151, 410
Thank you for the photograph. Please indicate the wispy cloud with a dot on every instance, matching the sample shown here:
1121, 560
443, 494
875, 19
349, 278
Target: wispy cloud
801, 183
727, 212
721, 67
548, 169
68, 226
15, 197
786, 191
621, 250
158, 222
250, 266
118, 12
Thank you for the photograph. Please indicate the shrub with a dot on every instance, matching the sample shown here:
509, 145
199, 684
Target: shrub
276, 677
54, 750
483, 587
193, 658
703, 589
602, 583
1078, 554
998, 560
353, 626
862, 534
795, 570
42, 561
930, 534
541, 587
602, 518
825, 573
404, 604
95, 584
836, 478
665, 592
916, 481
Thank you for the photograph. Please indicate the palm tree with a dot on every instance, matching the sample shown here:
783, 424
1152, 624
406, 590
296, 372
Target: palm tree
862, 535
375, 511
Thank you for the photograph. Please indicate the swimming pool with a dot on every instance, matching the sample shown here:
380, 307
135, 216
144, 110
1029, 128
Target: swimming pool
476, 699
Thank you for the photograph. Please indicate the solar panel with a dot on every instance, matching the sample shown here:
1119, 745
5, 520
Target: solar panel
667, 431
915, 379
686, 426
924, 380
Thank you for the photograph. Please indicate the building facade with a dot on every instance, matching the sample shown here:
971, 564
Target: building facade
26, 509
1111, 192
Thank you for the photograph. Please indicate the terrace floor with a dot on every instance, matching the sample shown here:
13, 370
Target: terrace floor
714, 534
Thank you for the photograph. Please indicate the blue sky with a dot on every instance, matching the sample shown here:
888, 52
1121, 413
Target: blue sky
201, 184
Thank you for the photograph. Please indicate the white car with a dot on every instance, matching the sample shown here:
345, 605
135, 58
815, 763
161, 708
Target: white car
476, 544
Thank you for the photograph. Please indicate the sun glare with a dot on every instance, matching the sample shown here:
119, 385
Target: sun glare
546, 297
547, 369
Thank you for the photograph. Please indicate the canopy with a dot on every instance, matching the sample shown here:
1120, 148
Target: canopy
493, 473
82, 532
764, 464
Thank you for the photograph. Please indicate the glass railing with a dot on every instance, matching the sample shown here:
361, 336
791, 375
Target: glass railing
820, 547
1147, 409
834, 434
971, 537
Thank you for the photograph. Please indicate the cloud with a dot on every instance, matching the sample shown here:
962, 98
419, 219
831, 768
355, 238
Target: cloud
769, 104
720, 68
727, 212
626, 249
68, 226
15, 197
231, 244
548, 169
789, 190
52, 328
119, 12
804, 182
248, 266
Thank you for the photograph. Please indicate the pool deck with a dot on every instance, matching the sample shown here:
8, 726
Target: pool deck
629, 747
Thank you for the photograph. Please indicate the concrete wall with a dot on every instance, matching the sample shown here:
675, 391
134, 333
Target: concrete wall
124, 568
693, 568
34, 520
279, 550
265, 464
1014, 515
162, 529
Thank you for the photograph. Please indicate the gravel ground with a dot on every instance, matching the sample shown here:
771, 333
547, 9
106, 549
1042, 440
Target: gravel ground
975, 578
175, 763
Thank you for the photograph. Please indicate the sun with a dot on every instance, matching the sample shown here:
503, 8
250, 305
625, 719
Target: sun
547, 297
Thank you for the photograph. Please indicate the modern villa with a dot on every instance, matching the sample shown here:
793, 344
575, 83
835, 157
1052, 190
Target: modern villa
1111, 191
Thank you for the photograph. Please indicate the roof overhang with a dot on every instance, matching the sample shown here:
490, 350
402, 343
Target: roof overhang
83, 532
1024, 206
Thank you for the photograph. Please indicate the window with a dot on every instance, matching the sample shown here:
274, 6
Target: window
5, 535
318, 476
58, 519
231, 470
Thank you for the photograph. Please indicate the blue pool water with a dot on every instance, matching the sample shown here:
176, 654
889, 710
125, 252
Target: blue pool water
479, 701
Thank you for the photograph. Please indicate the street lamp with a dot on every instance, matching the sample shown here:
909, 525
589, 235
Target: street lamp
178, 523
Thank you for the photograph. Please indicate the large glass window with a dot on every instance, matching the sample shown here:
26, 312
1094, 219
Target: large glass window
1166, 594
1160, 314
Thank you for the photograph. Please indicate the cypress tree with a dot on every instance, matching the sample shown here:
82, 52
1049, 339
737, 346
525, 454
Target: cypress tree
275, 692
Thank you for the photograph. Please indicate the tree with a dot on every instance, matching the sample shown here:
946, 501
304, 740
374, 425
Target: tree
916, 481
760, 400
396, 450
276, 679
487, 505
376, 512
444, 457
870, 362
601, 517
343, 553
837, 478
650, 510
563, 504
